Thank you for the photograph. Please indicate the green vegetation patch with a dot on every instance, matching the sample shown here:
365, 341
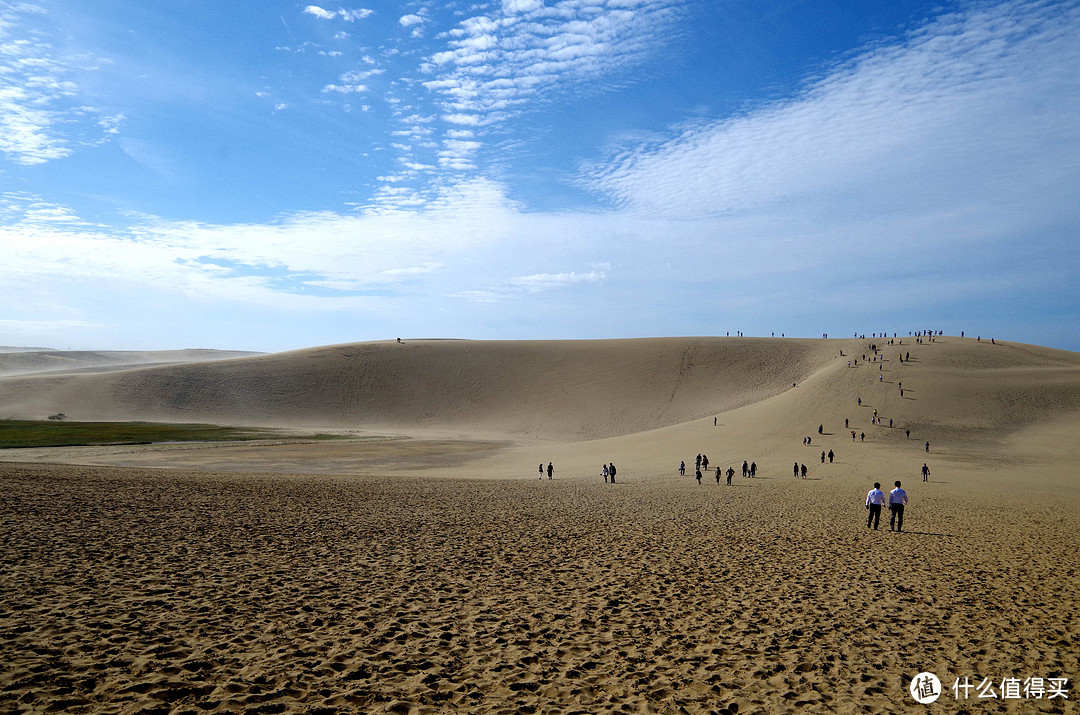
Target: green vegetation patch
32, 433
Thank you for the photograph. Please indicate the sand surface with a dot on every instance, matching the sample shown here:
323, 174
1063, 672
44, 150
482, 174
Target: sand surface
423, 567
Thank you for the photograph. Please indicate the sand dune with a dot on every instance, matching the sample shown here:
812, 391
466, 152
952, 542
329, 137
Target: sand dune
430, 571
570, 390
565, 390
14, 361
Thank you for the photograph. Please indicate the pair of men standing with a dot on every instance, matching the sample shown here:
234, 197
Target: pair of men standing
875, 499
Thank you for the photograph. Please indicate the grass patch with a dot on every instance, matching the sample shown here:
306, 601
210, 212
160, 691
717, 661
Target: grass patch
33, 433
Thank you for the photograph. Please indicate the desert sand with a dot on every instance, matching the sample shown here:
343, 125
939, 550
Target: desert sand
421, 566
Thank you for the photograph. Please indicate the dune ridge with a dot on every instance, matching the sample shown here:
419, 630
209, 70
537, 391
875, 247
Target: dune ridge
568, 390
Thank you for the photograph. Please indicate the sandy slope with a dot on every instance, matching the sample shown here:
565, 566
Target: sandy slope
565, 390
369, 576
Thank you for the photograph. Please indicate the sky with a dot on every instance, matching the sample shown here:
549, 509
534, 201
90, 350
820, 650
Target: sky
270, 175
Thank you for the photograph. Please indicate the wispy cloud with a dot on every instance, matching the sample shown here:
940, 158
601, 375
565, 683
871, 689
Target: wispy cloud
42, 117
498, 63
516, 56
340, 13
936, 108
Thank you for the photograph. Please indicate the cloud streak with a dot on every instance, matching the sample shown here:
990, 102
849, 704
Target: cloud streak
41, 116
894, 113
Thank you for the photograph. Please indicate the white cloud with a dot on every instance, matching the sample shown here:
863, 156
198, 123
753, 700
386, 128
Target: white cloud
345, 88
252, 263
346, 15
320, 12
465, 119
360, 14
410, 20
549, 281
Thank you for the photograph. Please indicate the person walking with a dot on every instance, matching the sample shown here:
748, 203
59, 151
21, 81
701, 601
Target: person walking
897, 502
682, 469
925, 472
604, 472
875, 499
730, 473
753, 469
745, 469
831, 455
697, 475
541, 470
823, 458
803, 469
550, 470
927, 446
796, 468
611, 472
718, 477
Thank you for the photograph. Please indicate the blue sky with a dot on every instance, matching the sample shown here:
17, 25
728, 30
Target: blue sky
274, 175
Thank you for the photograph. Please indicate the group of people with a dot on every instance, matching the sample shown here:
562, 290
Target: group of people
702, 462
875, 499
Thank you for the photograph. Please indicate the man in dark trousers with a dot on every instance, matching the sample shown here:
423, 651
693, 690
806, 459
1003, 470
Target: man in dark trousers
611, 472
875, 499
897, 502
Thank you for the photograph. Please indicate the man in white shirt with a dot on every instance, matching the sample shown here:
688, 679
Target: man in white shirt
874, 501
897, 502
